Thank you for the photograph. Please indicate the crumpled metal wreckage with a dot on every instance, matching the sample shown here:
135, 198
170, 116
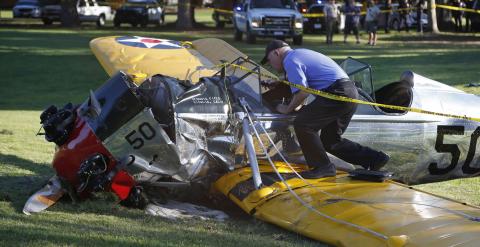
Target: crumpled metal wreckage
215, 133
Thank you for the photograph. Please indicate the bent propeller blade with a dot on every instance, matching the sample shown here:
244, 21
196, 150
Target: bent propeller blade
45, 197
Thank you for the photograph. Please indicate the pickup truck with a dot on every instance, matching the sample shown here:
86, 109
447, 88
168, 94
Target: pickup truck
268, 18
88, 11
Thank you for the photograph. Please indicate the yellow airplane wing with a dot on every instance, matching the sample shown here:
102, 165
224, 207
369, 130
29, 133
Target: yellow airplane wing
136, 55
344, 212
144, 57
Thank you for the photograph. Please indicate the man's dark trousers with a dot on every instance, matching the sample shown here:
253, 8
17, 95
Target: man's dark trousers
331, 117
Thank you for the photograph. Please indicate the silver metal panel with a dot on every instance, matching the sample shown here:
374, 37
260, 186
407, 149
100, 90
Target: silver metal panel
145, 138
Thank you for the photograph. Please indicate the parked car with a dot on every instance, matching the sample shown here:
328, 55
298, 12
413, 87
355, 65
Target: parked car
317, 23
140, 12
28, 9
88, 11
268, 18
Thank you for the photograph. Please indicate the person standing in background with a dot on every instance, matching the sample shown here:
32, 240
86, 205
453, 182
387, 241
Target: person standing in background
371, 20
419, 6
403, 13
388, 11
330, 11
468, 15
457, 15
352, 20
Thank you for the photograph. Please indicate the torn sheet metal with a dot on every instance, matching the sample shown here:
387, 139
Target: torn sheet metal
174, 130
175, 210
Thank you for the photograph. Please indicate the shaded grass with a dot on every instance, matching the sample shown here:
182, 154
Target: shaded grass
54, 66
100, 221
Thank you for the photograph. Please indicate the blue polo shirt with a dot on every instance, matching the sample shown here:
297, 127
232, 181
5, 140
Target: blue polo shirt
311, 69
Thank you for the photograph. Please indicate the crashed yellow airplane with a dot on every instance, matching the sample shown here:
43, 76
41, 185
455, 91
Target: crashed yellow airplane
191, 114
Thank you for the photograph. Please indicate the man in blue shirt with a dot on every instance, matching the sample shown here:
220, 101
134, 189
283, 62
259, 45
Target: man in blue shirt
315, 70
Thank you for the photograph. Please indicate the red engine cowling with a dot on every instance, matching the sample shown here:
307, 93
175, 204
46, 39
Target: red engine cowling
81, 145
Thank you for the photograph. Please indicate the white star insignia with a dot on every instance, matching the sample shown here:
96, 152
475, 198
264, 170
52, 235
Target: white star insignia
150, 42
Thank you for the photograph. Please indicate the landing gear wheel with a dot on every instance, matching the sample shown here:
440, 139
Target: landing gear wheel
101, 21
251, 39
238, 35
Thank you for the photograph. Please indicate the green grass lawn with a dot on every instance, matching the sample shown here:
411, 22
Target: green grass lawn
42, 66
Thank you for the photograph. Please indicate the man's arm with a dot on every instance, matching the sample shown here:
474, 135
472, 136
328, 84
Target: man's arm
298, 98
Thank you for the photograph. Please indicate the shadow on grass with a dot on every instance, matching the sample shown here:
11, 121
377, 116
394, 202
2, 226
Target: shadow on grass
87, 232
16, 189
102, 223
453, 38
36, 168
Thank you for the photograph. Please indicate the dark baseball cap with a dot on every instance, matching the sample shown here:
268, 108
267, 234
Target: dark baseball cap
273, 45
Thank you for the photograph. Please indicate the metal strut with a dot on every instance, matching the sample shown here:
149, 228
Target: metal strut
252, 156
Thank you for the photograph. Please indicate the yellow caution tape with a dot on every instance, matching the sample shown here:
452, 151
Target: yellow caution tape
357, 101
456, 8
223, 11
360, 13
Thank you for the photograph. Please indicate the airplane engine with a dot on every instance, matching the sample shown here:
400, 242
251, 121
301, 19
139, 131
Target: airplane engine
165, 131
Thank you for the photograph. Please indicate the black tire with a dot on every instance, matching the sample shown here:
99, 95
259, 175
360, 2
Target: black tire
251, 39
116, 23
47, 21
298, 40
134, 24
237, 35
101, 21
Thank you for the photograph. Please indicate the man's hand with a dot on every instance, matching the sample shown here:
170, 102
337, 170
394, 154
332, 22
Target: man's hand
282, 109
269, 84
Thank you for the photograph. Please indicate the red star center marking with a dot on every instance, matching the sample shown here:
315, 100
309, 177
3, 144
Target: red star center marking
156, 41
150, 42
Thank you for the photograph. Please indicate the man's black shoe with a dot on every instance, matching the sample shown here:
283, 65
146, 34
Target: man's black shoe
380, 162
320, 172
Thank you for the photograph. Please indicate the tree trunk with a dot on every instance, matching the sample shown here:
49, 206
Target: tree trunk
432, 14
185, 14
68, 14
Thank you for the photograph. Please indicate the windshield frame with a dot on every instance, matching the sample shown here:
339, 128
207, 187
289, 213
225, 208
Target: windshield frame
360, 69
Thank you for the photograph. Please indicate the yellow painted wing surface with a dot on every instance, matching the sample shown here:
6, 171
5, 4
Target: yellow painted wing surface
149, 56
145, 57
346, 212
